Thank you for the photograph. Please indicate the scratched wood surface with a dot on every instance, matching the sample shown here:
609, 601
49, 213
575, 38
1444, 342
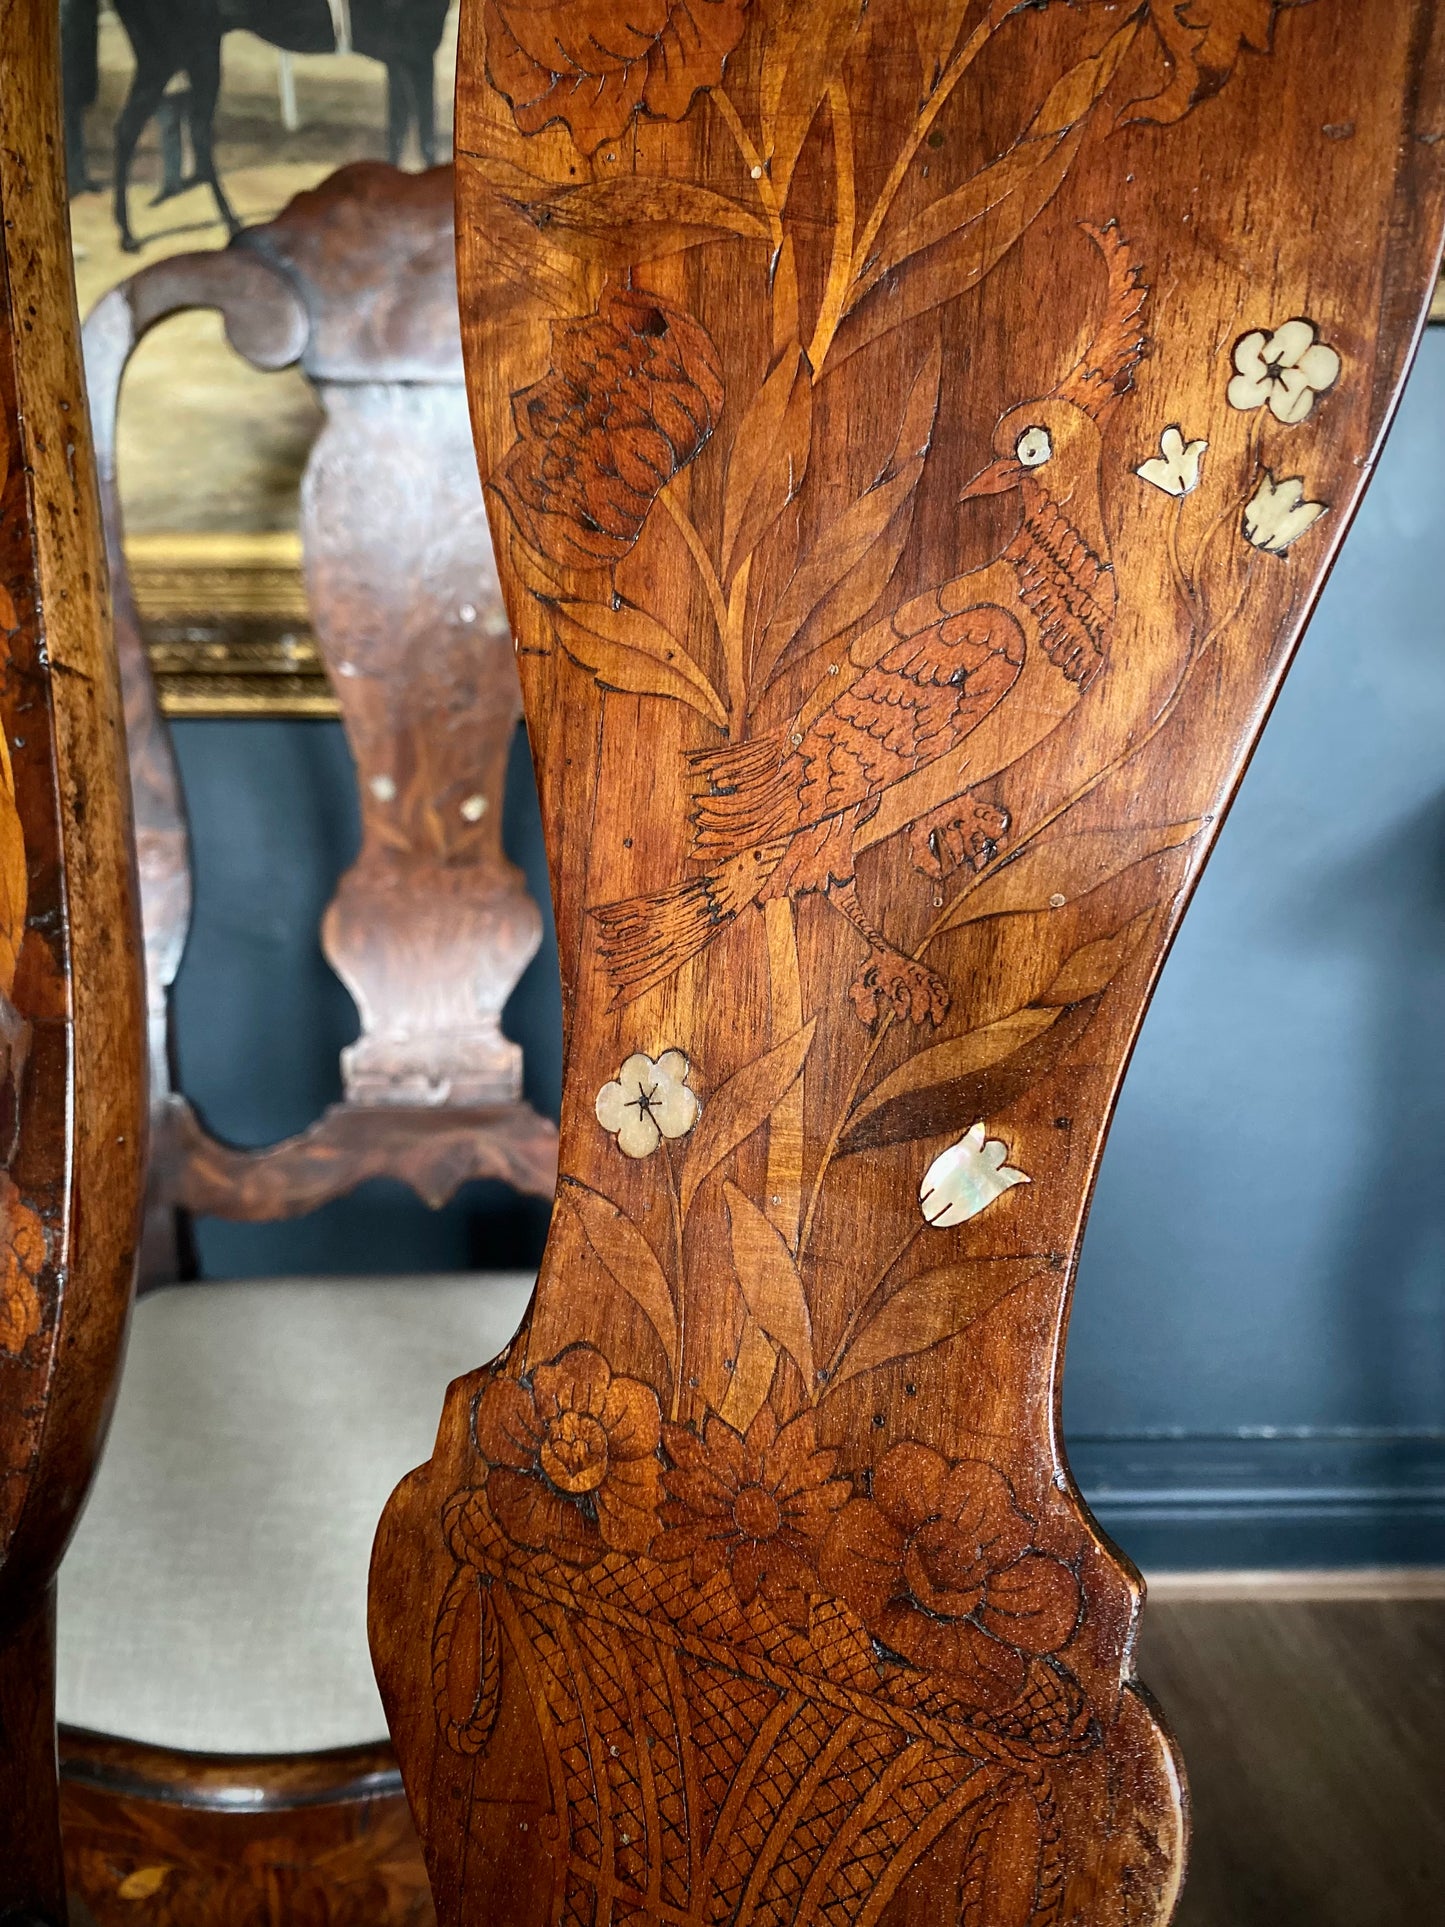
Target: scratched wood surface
913, 437
71, 1031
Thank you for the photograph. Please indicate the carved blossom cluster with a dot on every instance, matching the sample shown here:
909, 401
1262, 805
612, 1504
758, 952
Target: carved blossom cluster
594, 65
572, 1457
754, 1505
940, 1565
633, 393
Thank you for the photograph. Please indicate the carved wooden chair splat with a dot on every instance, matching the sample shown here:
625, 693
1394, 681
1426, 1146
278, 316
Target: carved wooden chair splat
224, 1740
72, 1057
432, 926
914, 435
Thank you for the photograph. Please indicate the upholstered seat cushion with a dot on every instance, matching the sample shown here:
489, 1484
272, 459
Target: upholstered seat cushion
214, 1598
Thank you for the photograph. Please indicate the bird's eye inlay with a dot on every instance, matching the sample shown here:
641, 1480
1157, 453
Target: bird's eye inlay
1034, 447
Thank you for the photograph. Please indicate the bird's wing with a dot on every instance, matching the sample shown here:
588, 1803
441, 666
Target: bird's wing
920, 699
1066, 588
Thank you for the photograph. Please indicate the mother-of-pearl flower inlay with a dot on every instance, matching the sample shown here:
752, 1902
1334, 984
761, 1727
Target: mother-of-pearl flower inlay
1286, 371
1176, 467
647, 1102
966, 1178
1278, 514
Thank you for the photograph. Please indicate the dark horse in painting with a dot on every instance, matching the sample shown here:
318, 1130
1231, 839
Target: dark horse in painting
170, 37
404, 36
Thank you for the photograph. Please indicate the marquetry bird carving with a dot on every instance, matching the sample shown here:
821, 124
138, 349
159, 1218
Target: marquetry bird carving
779, 815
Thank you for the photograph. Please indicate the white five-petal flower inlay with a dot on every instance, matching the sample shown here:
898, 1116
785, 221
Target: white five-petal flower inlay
966, 1178
647, 1102
1278, 513
1176, 467
1287, 370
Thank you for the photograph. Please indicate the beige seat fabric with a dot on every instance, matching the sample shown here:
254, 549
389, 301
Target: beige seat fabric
214, 1598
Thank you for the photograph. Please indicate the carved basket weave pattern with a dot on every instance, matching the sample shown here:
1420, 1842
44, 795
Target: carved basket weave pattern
716, 1765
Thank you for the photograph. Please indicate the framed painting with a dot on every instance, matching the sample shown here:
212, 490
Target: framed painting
185, 119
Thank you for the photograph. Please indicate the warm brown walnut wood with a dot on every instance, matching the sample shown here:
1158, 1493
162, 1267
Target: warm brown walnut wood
324, 1839
72, 1114
432, 926
913, 436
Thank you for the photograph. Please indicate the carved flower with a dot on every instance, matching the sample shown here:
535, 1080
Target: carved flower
593, 64
966, 1178
632, 394
1278, 514
754, 1505
940, 1565
573, 1465
647, 1102
1176, 467
1201, 41
1286, 369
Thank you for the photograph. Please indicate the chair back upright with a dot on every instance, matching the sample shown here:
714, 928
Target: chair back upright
914, 435
432, 926
72, 1061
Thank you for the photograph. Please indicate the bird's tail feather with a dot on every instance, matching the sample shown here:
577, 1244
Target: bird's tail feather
744, 793
645, 939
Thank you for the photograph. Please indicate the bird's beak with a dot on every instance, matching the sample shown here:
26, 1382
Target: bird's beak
996, 479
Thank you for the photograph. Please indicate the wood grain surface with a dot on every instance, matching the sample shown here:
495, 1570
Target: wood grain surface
181, 1839
72, 1118
914, 436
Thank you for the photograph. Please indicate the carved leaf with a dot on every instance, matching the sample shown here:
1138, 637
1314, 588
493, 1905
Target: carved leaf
625, 648
636, 217
1071, 98
626, 1256
751, 1377
953, 1104
960, 1057
965, 233
800, 63
938, 274
467, 1664
936, 28
769, 1280
1076, 862
1005, 1858
930, 1308
847, 569
736, 1110
769, 456
1094, 967
786, 322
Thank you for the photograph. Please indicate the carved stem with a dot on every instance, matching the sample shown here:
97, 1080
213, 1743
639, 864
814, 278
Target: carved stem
840, 267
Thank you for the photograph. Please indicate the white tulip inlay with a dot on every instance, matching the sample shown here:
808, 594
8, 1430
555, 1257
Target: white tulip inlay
966, 1178
1176, 467
647, 1102
1278, 514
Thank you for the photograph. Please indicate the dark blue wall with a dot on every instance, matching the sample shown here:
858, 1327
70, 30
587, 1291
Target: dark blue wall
1257, 1363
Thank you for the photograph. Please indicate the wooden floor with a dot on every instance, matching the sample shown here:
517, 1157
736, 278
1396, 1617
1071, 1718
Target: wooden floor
1313, 1729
